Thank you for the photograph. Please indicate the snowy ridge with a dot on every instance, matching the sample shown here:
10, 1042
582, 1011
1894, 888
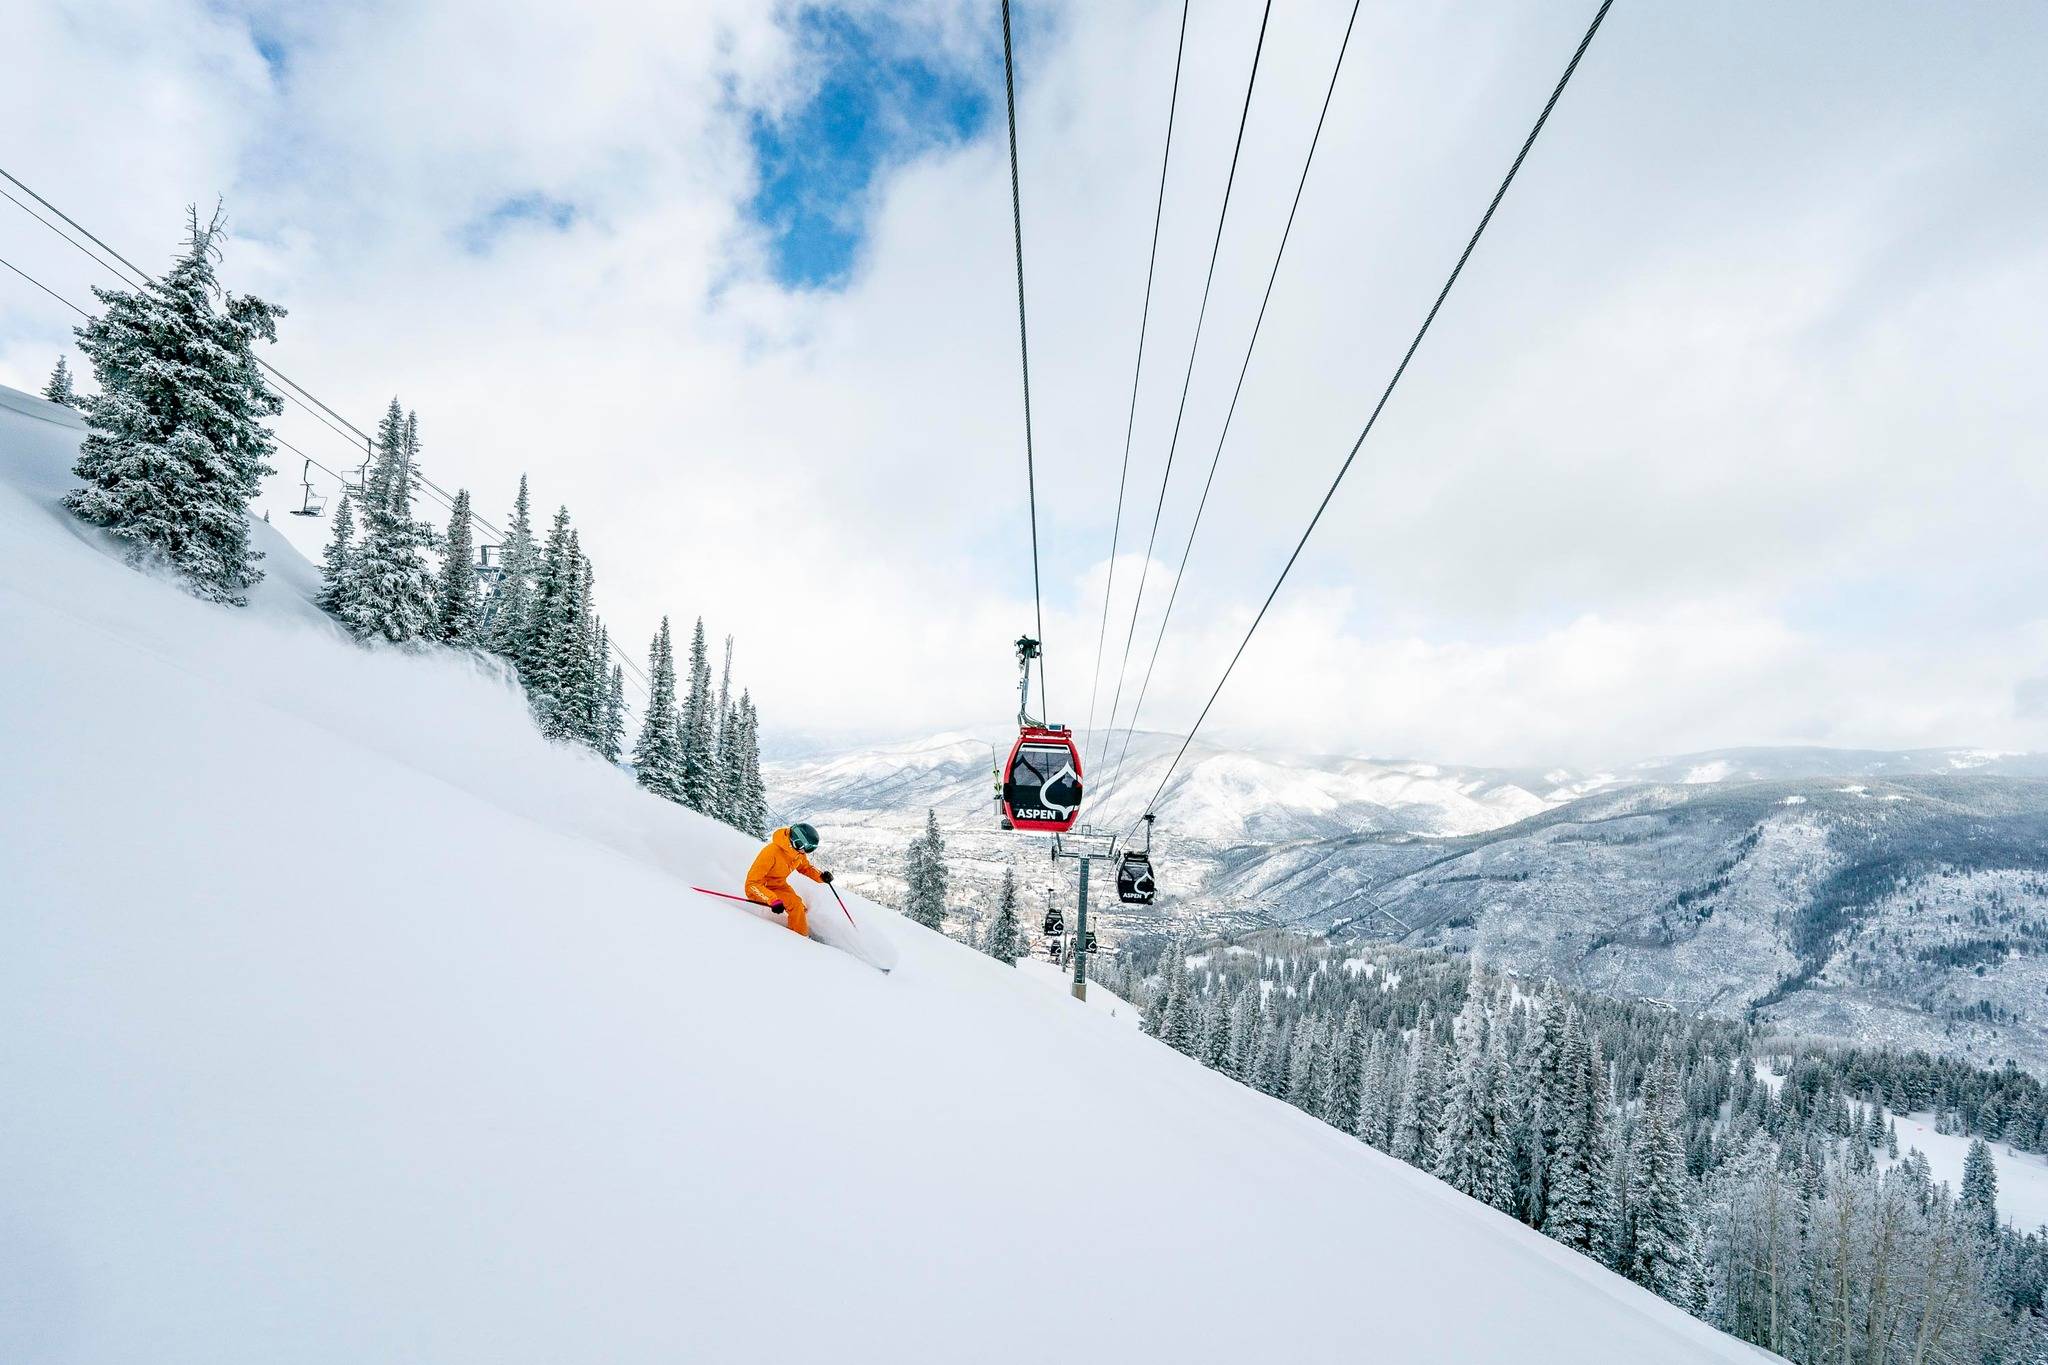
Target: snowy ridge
352, 1021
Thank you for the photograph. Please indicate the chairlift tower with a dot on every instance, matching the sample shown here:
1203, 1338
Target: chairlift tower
1084, 846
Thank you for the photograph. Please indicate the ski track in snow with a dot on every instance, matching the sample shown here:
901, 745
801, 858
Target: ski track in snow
347, 1020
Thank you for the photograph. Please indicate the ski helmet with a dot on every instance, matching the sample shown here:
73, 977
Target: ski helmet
803, 838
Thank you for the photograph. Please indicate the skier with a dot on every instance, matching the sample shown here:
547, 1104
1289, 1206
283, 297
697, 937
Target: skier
768, 878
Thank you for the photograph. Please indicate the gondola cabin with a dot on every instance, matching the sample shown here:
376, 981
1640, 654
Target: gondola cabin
1134, 879
1041, 782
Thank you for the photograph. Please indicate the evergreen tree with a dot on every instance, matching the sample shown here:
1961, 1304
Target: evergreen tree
504, 617
1471, 1156
1002, 933
59, 389
550, 616
614, 715
1346, 1083
1176, 1026
656, 765
1544, 1102
1421, 1113
1302, 1057
924, 872
728, 767
754, 815
460, 605
1663, 1252
175, 445
338, 564
393, 598
1244, 1035
582, 664
697, 732
1978, 1198
1212, 1049
1576, 1210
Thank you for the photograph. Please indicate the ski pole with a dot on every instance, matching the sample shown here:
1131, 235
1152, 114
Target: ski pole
727, 895
842, 904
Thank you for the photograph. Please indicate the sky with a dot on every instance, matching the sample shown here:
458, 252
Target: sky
1730, 433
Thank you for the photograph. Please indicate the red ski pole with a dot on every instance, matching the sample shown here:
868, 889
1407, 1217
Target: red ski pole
727, 895
749, 900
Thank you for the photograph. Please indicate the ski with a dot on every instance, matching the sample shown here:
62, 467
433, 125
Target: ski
863, 945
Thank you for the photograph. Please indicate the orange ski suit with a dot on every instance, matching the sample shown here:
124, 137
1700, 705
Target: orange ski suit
768, 878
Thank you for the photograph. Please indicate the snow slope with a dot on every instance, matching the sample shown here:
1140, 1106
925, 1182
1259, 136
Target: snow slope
343, 1019
2022, 1176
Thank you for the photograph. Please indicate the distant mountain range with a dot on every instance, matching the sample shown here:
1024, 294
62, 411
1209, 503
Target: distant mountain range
1881, 895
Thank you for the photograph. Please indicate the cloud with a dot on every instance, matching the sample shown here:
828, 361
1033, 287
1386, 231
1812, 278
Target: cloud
1728, 434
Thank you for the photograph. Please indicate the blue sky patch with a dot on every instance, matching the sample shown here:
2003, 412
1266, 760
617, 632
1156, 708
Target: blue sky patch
882, 94
534, 208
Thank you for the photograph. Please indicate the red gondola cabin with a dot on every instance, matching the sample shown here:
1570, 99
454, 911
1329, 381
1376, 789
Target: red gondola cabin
1042, 781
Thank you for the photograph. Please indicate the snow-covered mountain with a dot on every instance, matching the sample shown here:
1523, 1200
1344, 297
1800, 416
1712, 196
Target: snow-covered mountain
1246, 839
346, 1019
1912, 912
1220, 804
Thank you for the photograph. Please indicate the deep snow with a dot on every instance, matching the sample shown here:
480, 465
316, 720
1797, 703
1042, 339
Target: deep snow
344, 1019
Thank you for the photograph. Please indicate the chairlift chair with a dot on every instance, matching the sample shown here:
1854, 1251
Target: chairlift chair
310, 503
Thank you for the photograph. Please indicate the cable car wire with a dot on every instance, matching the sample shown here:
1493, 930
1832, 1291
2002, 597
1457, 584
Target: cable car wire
1244, 368
1194, 349
1131, 421
1379, 407
1024, 347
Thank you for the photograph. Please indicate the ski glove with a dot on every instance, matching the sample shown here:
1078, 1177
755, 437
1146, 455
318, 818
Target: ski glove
825, 877
776, 907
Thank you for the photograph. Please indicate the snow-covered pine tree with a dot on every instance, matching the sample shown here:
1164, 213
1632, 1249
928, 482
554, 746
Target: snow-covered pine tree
1269, 1072
655, 762
755, 812
551, 612
556, 653
338, 563
1303, 1056
1542, 1087
614, 715
1244, 1034
697, 731
727, 768
1214, 1050
1177, 1021
175, 444
504, 615
1663, 1255
1345, 1087
1470, 1154
59, 389
585, 668
1420, 1116
393, 598
1002, 944
1978, 1197
924, 875
1577, 1207
459, 602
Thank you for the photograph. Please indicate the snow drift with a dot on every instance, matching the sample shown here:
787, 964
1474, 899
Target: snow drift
344, 1019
